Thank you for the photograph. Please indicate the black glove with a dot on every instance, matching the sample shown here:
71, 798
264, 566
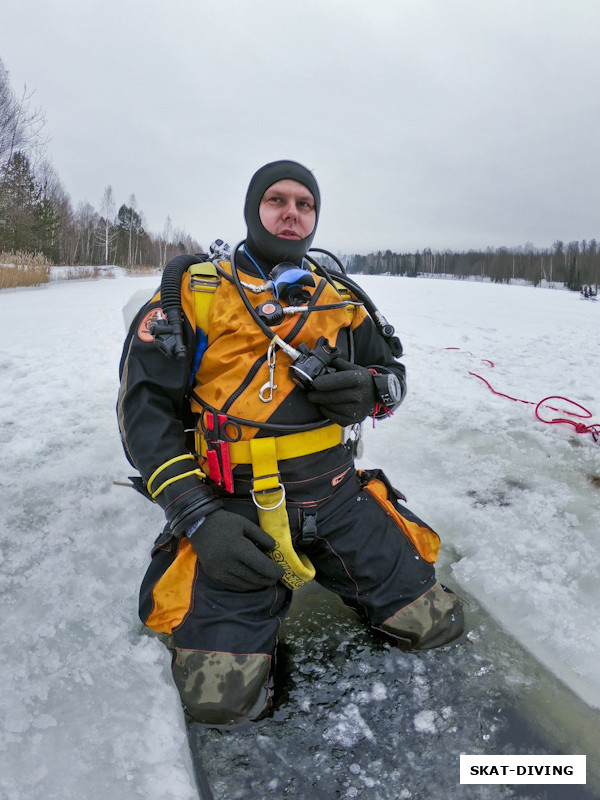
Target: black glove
227, 546
346, 396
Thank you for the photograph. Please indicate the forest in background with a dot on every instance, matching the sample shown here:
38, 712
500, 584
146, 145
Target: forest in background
37, 217
36, 213
574, 264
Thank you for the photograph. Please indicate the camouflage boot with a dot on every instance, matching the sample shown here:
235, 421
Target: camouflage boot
432, 620
222, 688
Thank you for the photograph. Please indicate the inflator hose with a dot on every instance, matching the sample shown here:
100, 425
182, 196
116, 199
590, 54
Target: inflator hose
383, 326
238, 284
170, 294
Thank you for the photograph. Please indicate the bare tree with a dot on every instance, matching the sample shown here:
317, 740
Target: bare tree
168, 229
132, 207
106, 230
86, 222
20, 126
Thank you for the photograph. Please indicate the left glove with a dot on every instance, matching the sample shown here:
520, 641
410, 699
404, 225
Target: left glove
231, 548
346, 396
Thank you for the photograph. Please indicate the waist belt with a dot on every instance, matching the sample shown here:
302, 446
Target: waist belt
292, 445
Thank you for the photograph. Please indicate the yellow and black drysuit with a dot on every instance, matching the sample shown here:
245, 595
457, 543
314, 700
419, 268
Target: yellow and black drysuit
372, 552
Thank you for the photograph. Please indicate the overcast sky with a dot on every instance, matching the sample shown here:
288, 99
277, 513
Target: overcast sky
428, 123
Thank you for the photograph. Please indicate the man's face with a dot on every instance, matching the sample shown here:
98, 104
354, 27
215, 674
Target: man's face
287, 210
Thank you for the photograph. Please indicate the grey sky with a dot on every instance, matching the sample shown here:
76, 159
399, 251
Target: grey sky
428, 123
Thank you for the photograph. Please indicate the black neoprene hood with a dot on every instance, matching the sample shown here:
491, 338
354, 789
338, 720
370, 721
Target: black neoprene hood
263, 245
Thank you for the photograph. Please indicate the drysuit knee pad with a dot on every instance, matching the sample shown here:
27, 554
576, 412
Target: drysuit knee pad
434, 619
222, 689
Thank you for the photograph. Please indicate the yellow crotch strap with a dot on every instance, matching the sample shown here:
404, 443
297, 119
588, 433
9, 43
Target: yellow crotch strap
268, 494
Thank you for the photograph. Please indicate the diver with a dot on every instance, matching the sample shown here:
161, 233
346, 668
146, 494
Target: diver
244, 382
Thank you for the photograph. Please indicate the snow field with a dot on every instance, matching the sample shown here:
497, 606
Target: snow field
88, 707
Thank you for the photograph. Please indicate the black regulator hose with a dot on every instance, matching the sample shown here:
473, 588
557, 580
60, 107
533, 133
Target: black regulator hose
331, 256
252, 311
383, 326
169, 336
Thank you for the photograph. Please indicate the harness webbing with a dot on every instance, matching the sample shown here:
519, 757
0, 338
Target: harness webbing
292, 445
268, 494
264, 453
204, 280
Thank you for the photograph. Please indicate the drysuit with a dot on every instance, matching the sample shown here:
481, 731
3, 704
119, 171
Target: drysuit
359, 538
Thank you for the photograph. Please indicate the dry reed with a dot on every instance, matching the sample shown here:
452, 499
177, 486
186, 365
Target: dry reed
23, 269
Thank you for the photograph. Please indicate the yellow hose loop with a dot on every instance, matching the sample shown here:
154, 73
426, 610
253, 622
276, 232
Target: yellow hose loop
164, 466
164, 485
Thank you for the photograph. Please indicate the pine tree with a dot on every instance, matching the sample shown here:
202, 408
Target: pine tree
29, 219
19, 200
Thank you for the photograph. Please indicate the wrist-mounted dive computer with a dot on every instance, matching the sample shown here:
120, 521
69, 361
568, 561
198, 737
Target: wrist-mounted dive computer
388, 389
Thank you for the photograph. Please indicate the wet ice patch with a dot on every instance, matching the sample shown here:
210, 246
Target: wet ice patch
424, 722
349, 728
378, 692
45, 721
375, 693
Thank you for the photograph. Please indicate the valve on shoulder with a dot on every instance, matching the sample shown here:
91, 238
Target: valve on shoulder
309, 364
167, 339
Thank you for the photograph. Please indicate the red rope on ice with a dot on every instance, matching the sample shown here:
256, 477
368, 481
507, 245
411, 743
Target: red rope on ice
593, 429
580, 427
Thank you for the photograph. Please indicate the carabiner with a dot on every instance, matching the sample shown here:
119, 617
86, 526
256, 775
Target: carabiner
270, 385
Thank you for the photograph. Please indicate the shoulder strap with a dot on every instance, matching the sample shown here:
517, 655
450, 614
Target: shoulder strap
204, 280
343, 292
346, 295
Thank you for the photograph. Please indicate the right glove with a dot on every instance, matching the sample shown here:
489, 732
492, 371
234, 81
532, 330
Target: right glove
229, 548
346, 396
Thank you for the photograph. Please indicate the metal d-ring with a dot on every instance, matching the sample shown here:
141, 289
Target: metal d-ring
269, 508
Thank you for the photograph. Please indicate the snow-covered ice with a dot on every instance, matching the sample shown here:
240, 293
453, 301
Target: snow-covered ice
88, 708
517, 502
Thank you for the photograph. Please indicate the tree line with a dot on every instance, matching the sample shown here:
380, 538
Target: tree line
574, 264
36, 213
